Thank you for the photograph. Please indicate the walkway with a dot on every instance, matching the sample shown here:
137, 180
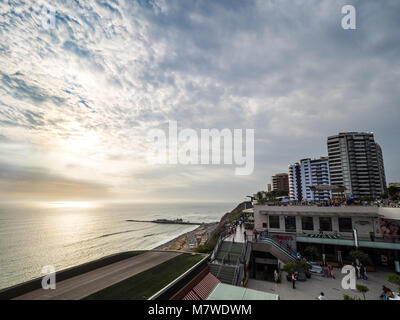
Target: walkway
310, 289
85, 284
239, 235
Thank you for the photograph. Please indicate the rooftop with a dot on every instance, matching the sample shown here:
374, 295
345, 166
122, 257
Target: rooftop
228, 292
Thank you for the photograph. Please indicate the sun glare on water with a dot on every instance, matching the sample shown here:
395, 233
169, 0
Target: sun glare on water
72, 204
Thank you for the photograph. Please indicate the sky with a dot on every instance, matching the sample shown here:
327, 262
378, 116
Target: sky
78, 96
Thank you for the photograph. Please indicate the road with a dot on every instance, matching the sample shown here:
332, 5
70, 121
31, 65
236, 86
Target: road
85, 284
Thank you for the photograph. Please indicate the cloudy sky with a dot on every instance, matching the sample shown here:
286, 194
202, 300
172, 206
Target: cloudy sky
77, 100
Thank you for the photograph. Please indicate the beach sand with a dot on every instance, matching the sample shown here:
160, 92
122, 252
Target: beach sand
181, 243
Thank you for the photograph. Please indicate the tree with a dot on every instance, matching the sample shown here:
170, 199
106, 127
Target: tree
394, 192
362, 289
299, 266
394, 278
361, 256
311, 252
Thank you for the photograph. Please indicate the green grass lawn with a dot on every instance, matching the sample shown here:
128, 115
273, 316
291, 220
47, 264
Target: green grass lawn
143, 285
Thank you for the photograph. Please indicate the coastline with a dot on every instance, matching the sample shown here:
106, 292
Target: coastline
180, 243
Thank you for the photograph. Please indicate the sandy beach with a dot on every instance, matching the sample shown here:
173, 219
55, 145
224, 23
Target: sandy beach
181, 243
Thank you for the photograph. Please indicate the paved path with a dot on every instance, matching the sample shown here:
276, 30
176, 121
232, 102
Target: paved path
239, 235
85, 284
332, 288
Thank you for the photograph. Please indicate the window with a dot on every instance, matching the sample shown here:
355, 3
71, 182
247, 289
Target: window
290, 224
325, 223
274, 222
307, 223
345, 225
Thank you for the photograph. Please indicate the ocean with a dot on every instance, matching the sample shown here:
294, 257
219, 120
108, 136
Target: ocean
33, 236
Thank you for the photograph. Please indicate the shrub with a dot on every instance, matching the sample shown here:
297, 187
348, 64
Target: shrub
206, 248
362, 289
394, 278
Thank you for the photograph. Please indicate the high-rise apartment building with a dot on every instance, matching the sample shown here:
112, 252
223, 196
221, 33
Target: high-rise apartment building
356, 163
308, 173
280, 181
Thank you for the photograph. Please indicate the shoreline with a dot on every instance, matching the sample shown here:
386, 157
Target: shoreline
179, 243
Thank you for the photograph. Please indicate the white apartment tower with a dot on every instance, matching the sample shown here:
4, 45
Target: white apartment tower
307, 173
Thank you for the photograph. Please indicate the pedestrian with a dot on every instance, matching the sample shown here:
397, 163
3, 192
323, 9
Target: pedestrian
294, 280
245, 235
276, 276
330, 271
358, 271
363, 272
384, 292
322, 296
355, 269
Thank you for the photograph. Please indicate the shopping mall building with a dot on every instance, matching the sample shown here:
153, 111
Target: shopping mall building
334, 230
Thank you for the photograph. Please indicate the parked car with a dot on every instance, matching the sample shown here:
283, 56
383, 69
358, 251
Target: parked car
316, 269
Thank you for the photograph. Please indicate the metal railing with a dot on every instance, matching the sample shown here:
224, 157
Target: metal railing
221, 238
223, 258
264, 237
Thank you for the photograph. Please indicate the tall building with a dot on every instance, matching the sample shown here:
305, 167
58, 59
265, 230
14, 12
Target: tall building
307, 173
356, 162
280, 181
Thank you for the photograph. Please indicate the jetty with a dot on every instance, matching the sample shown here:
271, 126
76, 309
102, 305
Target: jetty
168, 221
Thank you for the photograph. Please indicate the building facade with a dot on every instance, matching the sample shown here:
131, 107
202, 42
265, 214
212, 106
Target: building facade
305, 174
356, 163
334, 231
280, 181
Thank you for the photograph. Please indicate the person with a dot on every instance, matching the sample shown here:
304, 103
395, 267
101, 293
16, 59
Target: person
355, 269
384, 292
245, 235
294, 280
363, 272
322, 296
389, 294
330, 271
325, 271
276, 276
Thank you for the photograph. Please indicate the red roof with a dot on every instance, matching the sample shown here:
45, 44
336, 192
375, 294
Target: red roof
203, 289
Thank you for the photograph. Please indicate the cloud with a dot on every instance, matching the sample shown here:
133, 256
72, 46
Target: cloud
20, 183
82, 96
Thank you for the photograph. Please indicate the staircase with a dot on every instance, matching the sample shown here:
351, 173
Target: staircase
229, 252
225, 273
226, 260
